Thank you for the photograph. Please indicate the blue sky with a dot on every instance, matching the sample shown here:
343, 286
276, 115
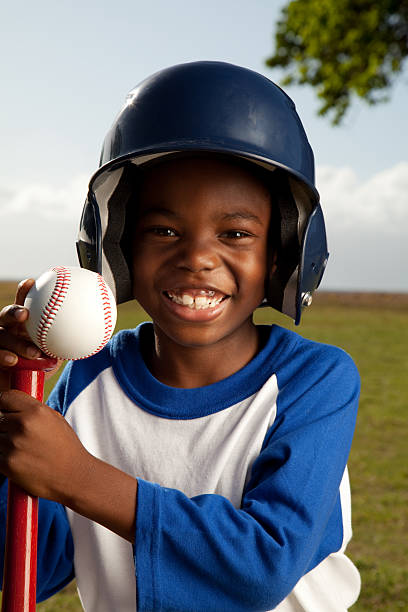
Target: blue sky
66, 70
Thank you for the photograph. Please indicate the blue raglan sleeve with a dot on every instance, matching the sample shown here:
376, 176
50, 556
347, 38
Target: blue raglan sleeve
55, 568
201, 553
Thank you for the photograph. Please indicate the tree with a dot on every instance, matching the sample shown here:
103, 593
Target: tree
342, 48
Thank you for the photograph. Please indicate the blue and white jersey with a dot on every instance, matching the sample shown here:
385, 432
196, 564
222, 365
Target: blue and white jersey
243, 497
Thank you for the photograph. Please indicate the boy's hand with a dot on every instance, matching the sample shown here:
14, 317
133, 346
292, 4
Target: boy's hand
39, 450
14, 339
41, 453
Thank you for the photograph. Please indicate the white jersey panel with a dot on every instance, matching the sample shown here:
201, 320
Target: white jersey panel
170, 452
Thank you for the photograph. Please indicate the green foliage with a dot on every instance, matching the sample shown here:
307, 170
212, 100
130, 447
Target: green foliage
342, 48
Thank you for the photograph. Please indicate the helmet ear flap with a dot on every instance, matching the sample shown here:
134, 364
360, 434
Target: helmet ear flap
305, 263
313, 260
283, 240
89, 237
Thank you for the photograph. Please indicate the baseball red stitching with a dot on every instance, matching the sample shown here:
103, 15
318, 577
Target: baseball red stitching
107, 314
55, 302
53, 305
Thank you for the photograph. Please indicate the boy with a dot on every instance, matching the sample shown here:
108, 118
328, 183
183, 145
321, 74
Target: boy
201, 464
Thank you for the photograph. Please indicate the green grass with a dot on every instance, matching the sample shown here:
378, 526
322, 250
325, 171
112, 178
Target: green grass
374, 330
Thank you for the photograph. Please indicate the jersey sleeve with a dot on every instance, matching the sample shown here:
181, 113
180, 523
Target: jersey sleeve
202, 553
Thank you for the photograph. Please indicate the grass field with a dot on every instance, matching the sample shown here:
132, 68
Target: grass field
373, 328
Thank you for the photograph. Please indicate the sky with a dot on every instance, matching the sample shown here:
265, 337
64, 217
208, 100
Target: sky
66, 69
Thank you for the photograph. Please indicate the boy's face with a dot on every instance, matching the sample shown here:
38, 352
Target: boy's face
200, 249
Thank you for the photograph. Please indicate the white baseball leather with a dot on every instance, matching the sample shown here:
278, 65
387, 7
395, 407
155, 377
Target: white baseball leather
72, 312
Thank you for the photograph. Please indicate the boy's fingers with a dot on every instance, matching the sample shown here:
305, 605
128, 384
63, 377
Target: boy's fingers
4, 380
19, 344
22, 290
14, 400
7, 359
4, 422
9, 422
12, 345
16, 313
12, 314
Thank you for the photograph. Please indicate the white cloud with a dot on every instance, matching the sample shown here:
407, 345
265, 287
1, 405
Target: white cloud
39, 224
43, 199
367, 225
377, 204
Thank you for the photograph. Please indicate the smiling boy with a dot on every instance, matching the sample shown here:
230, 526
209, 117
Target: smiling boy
201, 463
200, 259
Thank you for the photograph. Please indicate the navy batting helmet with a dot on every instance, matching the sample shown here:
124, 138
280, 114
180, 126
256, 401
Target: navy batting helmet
209, 108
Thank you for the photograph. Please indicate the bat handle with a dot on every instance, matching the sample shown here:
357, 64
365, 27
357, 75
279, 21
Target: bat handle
20, 560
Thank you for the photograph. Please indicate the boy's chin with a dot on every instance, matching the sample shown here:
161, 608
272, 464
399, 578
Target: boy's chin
205, 334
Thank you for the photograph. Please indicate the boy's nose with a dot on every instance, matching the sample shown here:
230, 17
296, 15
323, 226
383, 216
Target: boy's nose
197, 255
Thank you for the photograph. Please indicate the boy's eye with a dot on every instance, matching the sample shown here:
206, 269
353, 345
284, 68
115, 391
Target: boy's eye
236, 234
162, 231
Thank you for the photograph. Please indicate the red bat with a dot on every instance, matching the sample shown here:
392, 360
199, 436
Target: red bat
20, 562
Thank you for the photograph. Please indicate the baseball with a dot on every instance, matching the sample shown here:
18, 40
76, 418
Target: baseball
72, 312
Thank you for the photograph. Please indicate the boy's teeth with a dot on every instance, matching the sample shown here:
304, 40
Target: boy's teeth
187, 299
198, 302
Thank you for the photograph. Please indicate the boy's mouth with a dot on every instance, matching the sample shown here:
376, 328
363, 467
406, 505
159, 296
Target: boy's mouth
196, 299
